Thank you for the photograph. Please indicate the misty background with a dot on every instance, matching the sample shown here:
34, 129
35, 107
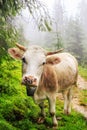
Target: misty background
53, 24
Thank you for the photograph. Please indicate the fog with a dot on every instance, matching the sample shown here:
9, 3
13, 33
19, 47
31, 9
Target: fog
70, 8
68, 18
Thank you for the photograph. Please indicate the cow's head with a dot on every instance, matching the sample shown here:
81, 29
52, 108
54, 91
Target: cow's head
33, 60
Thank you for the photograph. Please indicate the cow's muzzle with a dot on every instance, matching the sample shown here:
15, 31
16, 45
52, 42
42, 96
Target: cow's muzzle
29, 80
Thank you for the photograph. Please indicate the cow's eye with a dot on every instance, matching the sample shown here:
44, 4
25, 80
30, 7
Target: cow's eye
23, 59
44, 63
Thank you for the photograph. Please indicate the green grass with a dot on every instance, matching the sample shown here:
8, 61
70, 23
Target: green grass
83, 97
19, 112
83, 93
83, 72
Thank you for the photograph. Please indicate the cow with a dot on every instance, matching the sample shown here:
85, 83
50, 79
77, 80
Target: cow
48, 73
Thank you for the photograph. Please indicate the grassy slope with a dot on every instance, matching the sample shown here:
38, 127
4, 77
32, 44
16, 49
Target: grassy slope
18, 111
83, 93
83, 72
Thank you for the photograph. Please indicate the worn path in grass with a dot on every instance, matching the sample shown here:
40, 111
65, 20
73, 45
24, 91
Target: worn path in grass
82, 84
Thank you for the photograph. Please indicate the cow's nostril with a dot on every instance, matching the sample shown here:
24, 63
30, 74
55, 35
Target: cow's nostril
30, 81
35, 79
25, 77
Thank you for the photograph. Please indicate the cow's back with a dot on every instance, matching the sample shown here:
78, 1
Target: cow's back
66, 70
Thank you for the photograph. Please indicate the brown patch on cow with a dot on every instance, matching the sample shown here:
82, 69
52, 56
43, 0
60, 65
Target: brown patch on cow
48, 79
53, 60
17, 55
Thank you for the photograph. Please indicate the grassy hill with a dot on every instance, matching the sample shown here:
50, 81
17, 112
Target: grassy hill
19, 112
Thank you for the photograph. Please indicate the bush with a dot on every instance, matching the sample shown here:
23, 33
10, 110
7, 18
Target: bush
9, 76
6, 126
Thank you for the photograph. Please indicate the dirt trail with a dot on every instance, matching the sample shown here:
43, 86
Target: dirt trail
82, 84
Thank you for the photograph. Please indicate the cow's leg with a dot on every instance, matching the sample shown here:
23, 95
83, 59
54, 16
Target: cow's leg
67, 101
69, 95
41, 105
41, 119
52, 103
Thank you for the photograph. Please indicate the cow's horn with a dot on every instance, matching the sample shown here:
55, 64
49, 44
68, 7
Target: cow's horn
54, 52
21, 47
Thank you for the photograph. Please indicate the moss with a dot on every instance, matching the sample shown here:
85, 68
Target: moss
6, 126
19, 112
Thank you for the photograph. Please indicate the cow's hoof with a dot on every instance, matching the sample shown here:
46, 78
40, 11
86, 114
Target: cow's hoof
66, 112
43, 114
40, 120
55, 126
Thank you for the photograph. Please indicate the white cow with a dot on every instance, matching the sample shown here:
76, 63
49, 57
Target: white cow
50, 72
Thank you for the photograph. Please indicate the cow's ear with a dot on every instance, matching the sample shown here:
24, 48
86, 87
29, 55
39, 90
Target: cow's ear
15, 53
53, 60
56, 60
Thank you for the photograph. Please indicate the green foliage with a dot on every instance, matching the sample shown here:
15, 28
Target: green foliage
8, 34
6, 126
9, 7
7, 77
83, 72
40, 14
